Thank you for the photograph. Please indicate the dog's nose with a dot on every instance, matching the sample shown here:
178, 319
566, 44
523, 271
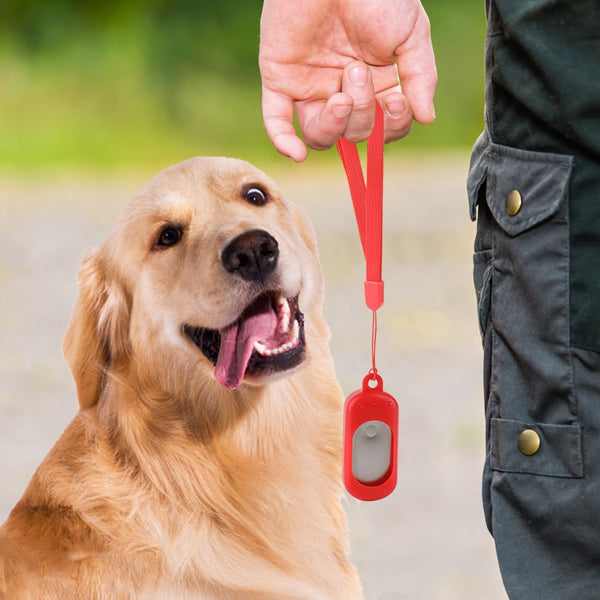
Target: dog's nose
251, 255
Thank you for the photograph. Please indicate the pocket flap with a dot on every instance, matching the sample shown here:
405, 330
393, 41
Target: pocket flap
559, 454
539, 181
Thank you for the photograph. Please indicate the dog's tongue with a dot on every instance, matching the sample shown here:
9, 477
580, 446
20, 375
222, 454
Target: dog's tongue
258, 322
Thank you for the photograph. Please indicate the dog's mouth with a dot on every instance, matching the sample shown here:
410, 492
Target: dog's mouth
268, 337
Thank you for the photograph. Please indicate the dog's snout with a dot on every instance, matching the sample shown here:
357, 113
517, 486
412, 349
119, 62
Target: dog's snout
251, 255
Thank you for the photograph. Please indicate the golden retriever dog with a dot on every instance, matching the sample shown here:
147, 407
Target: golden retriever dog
204, 462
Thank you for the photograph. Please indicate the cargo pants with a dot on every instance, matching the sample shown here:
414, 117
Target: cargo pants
534, 188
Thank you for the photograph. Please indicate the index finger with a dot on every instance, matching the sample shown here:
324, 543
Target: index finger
278, 118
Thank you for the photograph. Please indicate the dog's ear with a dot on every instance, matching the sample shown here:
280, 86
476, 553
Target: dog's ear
97, 335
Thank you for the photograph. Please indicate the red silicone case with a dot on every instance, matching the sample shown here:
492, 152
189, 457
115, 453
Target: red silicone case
370, 404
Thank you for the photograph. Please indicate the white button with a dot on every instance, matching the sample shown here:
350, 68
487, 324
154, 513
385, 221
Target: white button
371, 452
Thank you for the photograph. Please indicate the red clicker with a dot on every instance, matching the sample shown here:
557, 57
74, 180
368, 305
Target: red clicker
370, 414
370, 461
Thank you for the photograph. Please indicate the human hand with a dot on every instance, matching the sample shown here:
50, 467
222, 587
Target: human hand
332, 59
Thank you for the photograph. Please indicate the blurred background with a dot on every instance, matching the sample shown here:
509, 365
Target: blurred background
96, 97
124, 84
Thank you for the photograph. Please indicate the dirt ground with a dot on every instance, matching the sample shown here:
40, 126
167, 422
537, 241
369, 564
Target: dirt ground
427, 541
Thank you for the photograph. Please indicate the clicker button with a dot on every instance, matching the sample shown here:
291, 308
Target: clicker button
371, 452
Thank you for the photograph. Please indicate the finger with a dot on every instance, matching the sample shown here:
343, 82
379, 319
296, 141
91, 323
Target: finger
398, 116
358, 83
323, 123
416, 67
278, 118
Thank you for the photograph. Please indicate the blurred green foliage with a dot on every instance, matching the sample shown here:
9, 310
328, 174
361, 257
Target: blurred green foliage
145, 83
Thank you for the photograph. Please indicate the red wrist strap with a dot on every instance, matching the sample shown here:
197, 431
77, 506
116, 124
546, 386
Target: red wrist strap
368, 204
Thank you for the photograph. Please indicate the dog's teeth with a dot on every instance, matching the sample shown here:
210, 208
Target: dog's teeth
284, 313
295, 332
260, 348
292, 343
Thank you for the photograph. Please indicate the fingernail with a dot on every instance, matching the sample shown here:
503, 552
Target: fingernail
359, 75
395, 107
341, 110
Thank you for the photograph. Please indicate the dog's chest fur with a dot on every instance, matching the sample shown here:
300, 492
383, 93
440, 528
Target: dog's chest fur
223, 520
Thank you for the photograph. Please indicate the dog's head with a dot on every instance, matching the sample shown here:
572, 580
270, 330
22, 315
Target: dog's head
207, 274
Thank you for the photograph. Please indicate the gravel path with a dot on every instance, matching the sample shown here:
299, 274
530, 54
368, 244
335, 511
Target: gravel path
425, 542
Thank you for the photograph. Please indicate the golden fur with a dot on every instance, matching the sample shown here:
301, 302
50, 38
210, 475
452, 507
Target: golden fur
166, 484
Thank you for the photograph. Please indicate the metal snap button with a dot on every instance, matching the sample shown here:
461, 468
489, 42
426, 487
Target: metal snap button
529, 442
513, 203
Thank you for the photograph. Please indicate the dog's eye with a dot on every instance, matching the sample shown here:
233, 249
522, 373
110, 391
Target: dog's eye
169, 236
256, 196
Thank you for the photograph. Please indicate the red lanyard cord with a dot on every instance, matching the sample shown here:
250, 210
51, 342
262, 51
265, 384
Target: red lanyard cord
367, 199
370, 414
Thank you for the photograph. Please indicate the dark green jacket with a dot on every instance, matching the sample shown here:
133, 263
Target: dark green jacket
534, 185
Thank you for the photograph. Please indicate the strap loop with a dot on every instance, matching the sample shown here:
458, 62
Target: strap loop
367, 199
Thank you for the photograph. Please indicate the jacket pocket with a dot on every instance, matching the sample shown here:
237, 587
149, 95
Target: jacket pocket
525, 188
521, 277
536, 448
